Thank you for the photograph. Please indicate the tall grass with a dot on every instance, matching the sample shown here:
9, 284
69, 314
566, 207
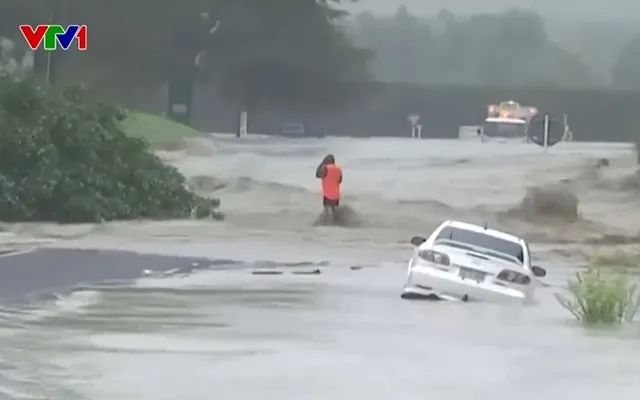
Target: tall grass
601, 297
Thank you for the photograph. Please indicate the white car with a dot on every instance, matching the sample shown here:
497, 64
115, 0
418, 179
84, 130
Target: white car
462, 261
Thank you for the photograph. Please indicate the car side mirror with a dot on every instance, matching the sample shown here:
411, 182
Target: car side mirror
417, 240
538, 271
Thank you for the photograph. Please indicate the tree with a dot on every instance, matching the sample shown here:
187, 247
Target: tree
445, 20
402, 45
271, 50
289, 53
626, 71
510, 48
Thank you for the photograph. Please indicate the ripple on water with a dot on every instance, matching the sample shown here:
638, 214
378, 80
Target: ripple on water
336, 334
343, 334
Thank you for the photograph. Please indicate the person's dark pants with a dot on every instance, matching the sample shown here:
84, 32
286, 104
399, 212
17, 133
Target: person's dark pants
331, 203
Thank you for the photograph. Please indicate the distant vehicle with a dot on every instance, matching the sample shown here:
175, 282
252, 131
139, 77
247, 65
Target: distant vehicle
503, 129
510, 122
511, 110
299, 130
507, 121
461, 261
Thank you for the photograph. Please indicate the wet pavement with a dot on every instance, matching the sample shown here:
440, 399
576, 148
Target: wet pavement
44, 271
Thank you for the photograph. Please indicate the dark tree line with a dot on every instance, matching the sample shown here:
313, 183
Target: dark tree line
626, 71
297, 52
280, 51
510, 48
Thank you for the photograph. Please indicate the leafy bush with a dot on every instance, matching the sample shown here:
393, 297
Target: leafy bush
64, 158
601, 298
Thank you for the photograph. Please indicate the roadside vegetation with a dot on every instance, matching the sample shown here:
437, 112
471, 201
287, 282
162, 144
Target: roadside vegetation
605, 294
65, 157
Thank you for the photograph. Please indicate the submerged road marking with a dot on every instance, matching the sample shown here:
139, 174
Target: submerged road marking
16, 252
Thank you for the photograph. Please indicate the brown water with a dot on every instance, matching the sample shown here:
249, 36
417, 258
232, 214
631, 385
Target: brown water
343, 333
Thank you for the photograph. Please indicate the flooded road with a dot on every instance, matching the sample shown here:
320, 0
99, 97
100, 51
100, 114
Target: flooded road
340, 334
198, 323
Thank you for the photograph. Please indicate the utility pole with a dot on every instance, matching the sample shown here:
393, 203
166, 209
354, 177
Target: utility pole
186, 54
45, 62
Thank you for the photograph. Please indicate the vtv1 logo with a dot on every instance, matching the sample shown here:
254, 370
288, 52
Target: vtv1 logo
54, 35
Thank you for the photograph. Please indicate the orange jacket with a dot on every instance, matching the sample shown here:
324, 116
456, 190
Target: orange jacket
331, 180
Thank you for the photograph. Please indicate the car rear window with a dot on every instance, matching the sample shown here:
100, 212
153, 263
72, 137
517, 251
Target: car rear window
481, 240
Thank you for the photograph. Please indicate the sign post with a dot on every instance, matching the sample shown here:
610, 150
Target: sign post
243, 124
44, 39
546, 132
416, 129
186, 57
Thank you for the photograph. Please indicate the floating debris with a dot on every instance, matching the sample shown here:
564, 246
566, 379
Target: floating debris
312, 272
266, 272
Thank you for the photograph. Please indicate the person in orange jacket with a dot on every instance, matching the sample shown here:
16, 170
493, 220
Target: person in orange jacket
330, 174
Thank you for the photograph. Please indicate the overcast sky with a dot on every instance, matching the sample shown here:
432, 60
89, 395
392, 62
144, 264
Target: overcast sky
593, 9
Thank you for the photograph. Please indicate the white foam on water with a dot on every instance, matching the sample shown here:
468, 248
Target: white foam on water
398, 186
340, 335
64, 304
9, 392
193, 280
27, 370
160, 344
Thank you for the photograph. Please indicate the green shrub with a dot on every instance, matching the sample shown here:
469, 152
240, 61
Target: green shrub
64, 158
601, 298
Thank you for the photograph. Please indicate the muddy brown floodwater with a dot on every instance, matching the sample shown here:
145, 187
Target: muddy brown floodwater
186, 319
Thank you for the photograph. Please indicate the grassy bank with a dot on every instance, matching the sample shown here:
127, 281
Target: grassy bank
158, 131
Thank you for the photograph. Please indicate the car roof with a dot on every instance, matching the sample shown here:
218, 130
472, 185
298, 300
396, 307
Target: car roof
488, 231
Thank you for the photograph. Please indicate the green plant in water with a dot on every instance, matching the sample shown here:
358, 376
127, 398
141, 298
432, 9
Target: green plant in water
601, 298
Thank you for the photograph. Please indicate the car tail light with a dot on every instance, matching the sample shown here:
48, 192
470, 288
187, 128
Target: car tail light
510, 276
435, 257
